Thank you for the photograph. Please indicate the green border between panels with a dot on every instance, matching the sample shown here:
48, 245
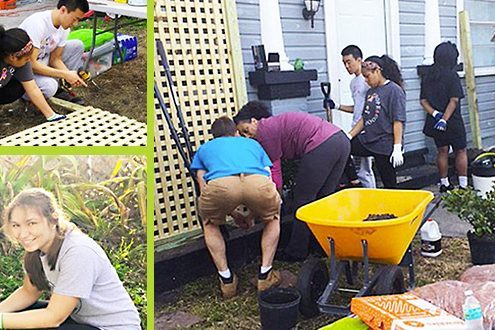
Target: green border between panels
122, 150
76, 150
150, 106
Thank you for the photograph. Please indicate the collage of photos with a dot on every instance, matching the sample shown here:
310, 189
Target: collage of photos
323, 164
74, 165
247, 164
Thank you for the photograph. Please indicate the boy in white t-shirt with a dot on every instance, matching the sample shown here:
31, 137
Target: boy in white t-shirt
352, 58
54, 57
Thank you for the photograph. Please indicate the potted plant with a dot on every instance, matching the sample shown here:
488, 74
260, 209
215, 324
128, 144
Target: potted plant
480, 213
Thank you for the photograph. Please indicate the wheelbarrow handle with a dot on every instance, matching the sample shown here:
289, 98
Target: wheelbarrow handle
432, 206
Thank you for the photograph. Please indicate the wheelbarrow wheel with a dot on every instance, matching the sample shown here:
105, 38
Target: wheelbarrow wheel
311, 283
391, 281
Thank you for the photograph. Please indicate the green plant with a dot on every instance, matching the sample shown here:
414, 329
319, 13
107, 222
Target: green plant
470, 207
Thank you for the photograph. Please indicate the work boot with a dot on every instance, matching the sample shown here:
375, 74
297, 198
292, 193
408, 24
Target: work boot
64, 95
229, 289
444, 188
273, 279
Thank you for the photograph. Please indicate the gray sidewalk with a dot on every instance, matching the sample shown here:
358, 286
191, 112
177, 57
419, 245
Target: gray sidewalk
449, 223
13, 18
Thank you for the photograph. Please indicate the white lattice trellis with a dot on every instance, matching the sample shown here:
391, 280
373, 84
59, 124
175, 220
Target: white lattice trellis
202, 47
86, 127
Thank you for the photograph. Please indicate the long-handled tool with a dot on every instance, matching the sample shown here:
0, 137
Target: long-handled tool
187, 154
326, 88
173, 131
173, 96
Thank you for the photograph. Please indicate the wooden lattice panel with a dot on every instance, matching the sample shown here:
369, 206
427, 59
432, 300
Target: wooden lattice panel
196, 42
86, 127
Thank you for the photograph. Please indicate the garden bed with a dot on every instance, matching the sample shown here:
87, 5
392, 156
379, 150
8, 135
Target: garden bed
199, 302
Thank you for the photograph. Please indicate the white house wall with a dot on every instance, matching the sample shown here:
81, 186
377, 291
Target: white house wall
301, 41
310, 45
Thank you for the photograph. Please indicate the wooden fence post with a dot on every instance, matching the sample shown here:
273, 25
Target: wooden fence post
467, 52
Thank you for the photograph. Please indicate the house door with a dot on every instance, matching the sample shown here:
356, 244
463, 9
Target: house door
358, 22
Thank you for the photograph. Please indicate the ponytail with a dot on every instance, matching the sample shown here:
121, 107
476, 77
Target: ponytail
14, 42
389, 68
34, 267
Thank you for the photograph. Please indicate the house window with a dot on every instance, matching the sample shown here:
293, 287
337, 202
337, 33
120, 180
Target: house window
482, 23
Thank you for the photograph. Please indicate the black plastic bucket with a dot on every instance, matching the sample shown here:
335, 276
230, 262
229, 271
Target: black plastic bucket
279, 308
482, 249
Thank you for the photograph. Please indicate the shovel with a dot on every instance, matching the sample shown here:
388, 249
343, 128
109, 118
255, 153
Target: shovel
326, 89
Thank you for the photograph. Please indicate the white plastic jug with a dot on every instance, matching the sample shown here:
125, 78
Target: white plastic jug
431, 239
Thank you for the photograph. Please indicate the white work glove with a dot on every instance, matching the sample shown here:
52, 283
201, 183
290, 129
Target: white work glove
396, 159
348, 134
437, 115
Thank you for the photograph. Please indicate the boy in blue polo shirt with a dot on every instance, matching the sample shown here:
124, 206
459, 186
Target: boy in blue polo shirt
232, 170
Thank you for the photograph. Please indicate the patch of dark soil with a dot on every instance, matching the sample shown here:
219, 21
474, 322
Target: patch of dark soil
176, 320
123, 87
377, 217
122, 91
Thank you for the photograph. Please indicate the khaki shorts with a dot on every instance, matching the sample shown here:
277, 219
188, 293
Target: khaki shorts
221, 196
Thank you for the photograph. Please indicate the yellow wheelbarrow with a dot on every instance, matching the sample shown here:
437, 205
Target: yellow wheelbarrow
339, 223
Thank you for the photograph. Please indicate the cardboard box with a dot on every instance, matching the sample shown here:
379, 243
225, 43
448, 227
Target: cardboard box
7, 4
101, 60
403, 312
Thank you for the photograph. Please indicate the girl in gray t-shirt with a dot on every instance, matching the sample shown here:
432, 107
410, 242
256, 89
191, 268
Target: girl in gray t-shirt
86, 292
383, 118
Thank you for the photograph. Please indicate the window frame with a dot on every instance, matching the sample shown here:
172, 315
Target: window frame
478, 72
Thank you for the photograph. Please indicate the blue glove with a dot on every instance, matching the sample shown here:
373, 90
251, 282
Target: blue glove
441, 125
328, 103
437, 115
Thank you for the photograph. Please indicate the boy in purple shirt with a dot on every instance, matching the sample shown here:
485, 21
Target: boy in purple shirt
322, 148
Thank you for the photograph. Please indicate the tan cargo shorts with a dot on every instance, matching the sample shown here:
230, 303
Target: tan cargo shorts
221, 196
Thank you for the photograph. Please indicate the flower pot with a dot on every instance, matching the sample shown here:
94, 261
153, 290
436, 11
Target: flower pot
482, 249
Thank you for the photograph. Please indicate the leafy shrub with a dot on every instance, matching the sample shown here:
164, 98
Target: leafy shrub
470, 207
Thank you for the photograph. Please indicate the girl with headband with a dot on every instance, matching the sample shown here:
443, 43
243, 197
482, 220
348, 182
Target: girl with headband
379, 132
16, 74
85, 290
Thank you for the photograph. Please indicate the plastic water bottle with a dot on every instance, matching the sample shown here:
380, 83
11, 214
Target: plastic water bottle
473, 317
431, 239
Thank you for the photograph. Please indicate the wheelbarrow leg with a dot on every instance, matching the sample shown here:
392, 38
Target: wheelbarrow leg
410, 266
349, 275
333, 260
335, 272
366, 280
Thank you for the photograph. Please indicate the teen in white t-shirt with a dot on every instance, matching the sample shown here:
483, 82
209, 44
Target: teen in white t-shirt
352, 59
54, 57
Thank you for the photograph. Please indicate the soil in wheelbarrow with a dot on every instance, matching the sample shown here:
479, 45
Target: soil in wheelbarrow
378, 217
122, 91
